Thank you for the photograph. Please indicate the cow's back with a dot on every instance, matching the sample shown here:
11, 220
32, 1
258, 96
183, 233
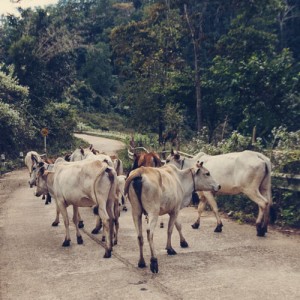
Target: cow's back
234, 171
160, 189
76, 181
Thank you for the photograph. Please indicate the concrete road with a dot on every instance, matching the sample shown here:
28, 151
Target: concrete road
234, 264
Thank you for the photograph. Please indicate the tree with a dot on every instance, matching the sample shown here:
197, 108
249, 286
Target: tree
148, 58
14, 122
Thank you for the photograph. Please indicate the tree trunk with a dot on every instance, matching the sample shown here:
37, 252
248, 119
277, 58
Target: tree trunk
196, 48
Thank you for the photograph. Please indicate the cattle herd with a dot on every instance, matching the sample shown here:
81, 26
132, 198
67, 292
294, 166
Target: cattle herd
88, 178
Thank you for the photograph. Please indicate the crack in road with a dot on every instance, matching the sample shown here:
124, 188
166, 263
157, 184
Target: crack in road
151, 281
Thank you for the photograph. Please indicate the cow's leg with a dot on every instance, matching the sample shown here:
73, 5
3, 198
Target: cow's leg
137, 220
123, 201
153, 218
64, 213
48, 199
261, 226
116, 221
201, 207
76, 222
56, 221
80, 221
183, 242
213, 204
172, 220
107, 228
267, 194
98, 222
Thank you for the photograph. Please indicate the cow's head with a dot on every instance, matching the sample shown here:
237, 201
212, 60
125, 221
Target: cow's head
203, 181
41, 180
32, 180
175, 159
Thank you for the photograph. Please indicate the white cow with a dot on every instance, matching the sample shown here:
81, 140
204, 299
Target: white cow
246, 172
32, 158
159, 191
82, 184
91, 154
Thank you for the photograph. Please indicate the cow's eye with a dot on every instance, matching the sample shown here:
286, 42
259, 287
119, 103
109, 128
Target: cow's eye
167, 161
207, 174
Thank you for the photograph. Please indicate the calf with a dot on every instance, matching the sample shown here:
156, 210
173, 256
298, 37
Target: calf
159, 191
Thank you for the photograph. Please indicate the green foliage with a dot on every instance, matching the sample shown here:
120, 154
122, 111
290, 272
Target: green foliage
286, 150
234, 143
61, 122
288, 207
13, 123
105, 122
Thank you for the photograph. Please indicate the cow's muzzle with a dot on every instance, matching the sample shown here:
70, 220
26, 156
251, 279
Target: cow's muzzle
216, 188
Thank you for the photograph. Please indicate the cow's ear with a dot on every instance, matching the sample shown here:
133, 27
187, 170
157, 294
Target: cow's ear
42, 170
81, 151
33, 158
41, 164
177, 156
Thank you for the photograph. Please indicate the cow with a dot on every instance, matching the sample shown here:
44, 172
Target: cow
246, 172
82, 184
159, 191
90, 153
146, 159
51, 167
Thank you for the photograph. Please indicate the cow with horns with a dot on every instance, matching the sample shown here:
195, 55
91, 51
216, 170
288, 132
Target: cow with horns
246, 172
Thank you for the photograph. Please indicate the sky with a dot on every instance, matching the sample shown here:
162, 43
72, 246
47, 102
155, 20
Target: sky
6, 6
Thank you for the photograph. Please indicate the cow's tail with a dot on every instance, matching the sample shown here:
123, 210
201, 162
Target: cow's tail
266, 187
104, 168
136, 178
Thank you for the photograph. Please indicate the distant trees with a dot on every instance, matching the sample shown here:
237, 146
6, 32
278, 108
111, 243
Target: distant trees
222, 65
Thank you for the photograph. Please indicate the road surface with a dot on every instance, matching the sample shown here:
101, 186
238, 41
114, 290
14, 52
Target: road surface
234, 264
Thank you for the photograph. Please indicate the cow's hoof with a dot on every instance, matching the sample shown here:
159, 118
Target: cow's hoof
154, 265
43, 198
219, 228
79, 240
80, 224
66, 243
141, 264
115, 242
103, 239
124, 208
184, 244
161, 225
171, 251
107, 254
46, 203
196, 225
95, 231
55, 224
260, 230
